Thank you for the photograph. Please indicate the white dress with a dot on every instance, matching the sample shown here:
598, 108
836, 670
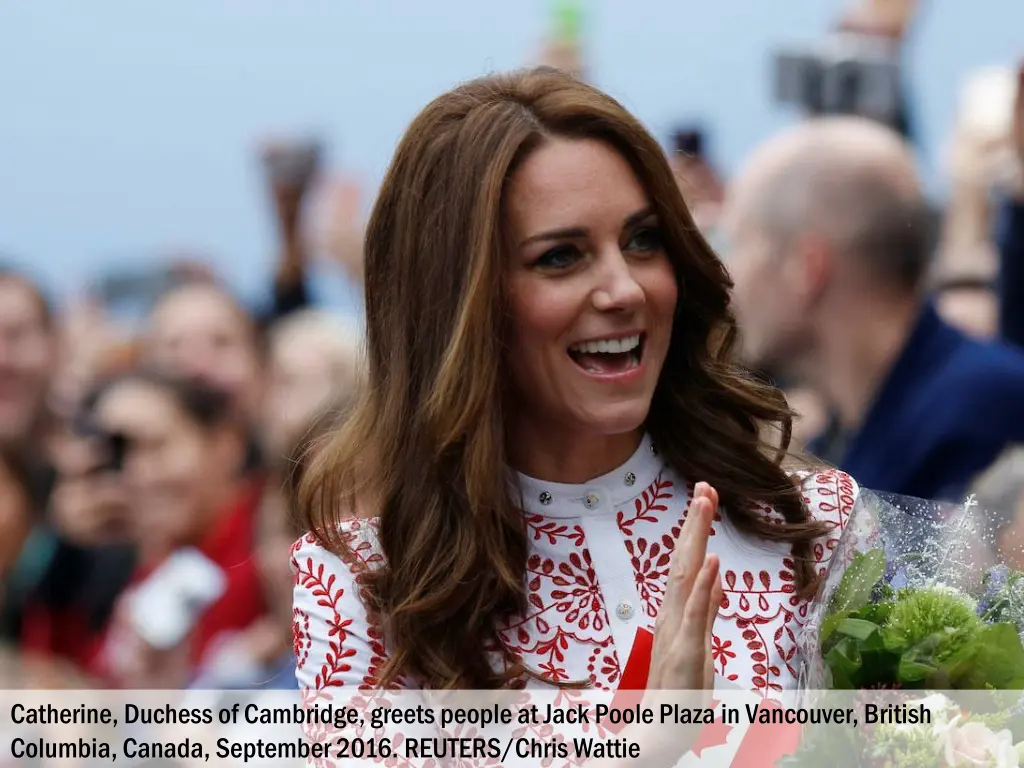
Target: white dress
596, 573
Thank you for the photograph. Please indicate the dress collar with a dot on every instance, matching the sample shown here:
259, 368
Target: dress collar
604, 493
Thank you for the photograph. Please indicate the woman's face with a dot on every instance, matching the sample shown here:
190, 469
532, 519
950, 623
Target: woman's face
592, 290
173, 467
304, 376
197, 332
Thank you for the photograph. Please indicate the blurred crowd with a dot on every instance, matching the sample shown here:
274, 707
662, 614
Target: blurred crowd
147, 481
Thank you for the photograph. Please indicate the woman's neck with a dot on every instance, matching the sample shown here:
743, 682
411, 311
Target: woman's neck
572, 458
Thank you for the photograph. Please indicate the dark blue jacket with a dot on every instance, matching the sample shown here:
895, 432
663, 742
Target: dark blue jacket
946, 411
1009, 238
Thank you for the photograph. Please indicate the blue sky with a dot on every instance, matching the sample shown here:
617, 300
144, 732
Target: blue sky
128, 127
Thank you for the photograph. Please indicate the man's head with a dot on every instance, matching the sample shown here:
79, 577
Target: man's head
27, 356
823, 215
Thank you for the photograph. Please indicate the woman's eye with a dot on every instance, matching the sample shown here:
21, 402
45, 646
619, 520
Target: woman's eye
646, 240
560, 257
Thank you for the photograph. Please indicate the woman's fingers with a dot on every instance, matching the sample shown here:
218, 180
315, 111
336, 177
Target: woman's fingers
714, 603
689, 649
688, 555
696, 613
693, 546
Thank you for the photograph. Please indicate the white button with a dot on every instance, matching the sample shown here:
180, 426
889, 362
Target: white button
591, 500
624, 611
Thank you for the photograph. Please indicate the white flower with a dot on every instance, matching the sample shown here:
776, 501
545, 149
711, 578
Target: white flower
975, 745
939, 707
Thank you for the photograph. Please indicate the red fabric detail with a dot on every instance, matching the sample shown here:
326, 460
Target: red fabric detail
62, 633
634, 677
231, 545
638, 666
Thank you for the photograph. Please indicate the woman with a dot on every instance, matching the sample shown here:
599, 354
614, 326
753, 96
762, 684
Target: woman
198, 330
549, 378
262, 656
312, 359
181, 454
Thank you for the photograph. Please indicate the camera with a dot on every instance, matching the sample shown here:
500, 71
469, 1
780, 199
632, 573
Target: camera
165, 608
850, 75
113, 446
689, 142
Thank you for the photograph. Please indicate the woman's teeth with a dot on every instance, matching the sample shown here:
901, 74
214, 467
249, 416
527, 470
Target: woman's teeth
607, 346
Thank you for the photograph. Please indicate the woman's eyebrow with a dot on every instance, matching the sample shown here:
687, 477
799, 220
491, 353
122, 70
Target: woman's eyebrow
568, 233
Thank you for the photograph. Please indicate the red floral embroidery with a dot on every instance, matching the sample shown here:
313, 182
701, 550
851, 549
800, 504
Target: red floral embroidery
566, 632
301, 641
721, 653
648, 507
326, 596
552, 530
603, 666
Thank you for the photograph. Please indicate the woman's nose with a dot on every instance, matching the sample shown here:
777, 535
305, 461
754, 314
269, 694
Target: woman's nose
618, 288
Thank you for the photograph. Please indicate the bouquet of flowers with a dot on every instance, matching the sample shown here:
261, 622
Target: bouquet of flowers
917, 599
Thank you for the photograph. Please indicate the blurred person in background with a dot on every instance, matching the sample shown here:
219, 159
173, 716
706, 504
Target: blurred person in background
291, 169
265, 654
699, 180
183, 456
1009, 235
81, 556
313, 359
829, 252
199, 331
979, 158
16, 521
969, 303
28, 356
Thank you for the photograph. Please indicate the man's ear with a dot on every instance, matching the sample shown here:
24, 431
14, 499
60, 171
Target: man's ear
810, 267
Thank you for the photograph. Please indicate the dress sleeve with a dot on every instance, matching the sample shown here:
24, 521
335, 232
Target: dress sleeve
336, 643
831, 497
340, 651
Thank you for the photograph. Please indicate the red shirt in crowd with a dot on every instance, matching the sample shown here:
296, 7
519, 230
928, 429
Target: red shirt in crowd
230, 545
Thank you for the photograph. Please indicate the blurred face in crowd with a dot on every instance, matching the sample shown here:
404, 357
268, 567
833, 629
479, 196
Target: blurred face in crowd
27, 351
179, 473
768, 296
593, 292
199, 332
308, 370
90, 504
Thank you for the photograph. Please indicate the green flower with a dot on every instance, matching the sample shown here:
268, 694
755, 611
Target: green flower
938, 618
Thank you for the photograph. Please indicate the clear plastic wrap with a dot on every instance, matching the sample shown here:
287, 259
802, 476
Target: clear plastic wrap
919, 596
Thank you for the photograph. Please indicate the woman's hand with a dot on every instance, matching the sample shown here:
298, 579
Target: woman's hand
681, 658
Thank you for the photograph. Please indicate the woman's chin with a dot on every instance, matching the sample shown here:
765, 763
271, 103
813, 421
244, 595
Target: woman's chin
610, 419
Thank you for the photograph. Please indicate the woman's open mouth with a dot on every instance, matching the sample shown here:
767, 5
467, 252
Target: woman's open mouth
608, 357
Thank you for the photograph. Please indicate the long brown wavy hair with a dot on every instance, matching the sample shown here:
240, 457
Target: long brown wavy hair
424, 449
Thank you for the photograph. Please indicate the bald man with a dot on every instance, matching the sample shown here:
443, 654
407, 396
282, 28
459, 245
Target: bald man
829, 246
